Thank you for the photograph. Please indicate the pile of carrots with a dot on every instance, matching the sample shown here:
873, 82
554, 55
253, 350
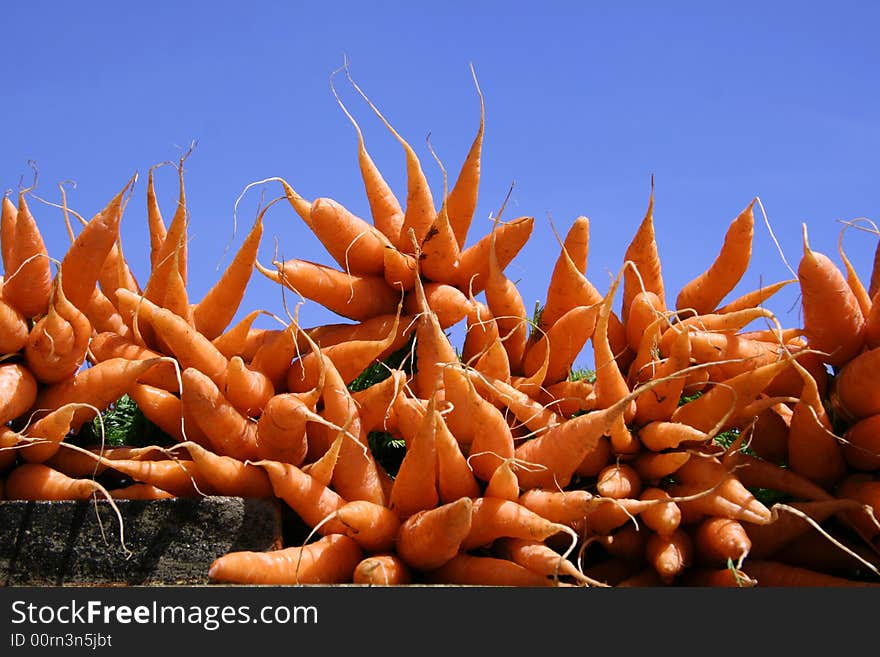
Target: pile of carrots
700, 451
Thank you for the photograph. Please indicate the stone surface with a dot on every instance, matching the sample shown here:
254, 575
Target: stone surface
171, 541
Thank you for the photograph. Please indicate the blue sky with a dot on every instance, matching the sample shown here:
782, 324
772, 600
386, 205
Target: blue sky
584, 103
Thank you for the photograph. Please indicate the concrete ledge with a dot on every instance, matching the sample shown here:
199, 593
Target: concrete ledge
172, 541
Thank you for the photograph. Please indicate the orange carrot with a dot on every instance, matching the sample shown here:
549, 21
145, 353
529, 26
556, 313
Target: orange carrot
213, 313
494, 518
140, 491
49, 430
246, 388
109, 344
450, 304
99, 386
226, 475
419, 213
704, 293
861, 447
507, 307
539, 558
13, 328
618, 480
568, 285
82, 264
462, 200
154, 220
384, 206
503, 483
718, 541
652, 467
670, 555
430, 538
27, 280
833, 322
665, 517
755, 297
467, 569
647, 278
455, 479
242, 339
855, 395
382, 570
356, 246
562, 343
35, 481
349, 295
509, 238
329, 560
777, 574
228, 431
18, 391
415, 486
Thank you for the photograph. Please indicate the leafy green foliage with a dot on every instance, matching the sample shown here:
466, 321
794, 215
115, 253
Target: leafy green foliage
381, 370
582, 374
124, 425
387, 449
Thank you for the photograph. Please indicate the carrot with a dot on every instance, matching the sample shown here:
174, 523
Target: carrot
227, 430
164, 409
462, 200
568, 285
432, 537
530, 412
618, 480
645, 318
376, 403
181, 477
433, 350
704, 293
627, 542
140, 491
415, 486
718, 541
455, 479
321, 469
663, 518
792, 521
215, 310
281, 428
759, 473
329, 560
670, 555
27, 281
710, 489
82, 264
562, 343
652, 467
494, 518
647, 276
35, 481
755, 297
356, 246
769, 437
659, 435
509, 238
99, 386
104, 315
566, 398
490, 439
384, 206
350, 358
728, 323
844, 558
481, 331
864, 489
155, 222
450, 304
717, 577
18, 391
175, 240
852, 278
382, 570
81, 462
564, 507
595, 460
109, 344
506, 306
419, 213
854, 394
861, 447
833, 322
13, 328
872, 324
611, 386
189, 347
242, 339
8, 217
176, 296
49, 430
399, 269
777, 574
660, 402
503, 484
539, 558
466, 569
226, 475
246, 388
439, 250
727, 397
349, 295
813, 449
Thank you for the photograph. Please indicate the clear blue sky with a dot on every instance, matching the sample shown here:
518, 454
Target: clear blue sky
584, 103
